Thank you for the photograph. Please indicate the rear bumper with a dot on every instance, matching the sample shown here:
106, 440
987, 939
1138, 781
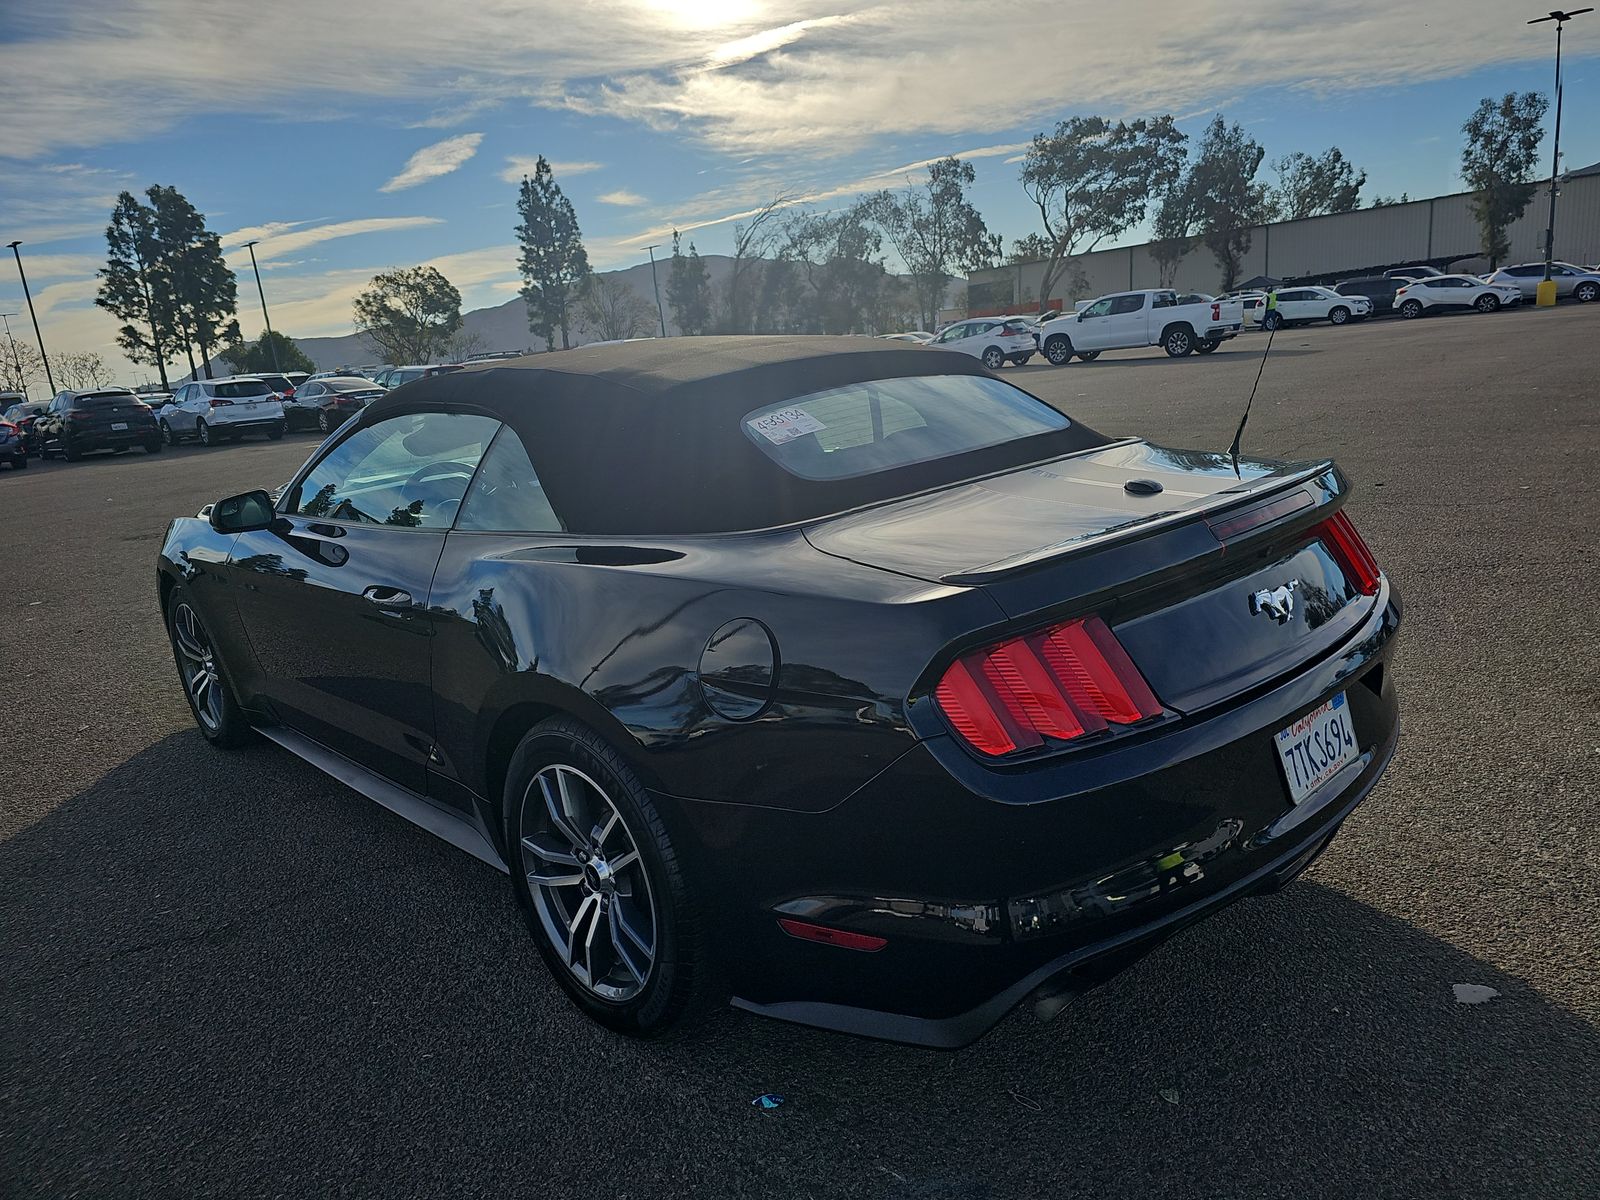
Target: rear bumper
112, 439
991, 886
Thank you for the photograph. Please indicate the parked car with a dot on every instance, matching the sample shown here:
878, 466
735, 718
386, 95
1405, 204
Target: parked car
404, 375
296, 378
1125, 320
913, 713
1580, 283
1303, 305
212, 410
1378, 289
13, 449
23, 415
80, 422
382, 377
329, 403
1454, 291
917, 336
995, 341
282, 386
154, 401
1422, 271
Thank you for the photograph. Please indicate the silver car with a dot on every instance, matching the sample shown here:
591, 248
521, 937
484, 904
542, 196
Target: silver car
1580, 283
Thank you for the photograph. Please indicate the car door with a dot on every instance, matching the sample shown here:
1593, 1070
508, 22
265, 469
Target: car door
1128, 322
334, 596
1295, 304
308, 398
1092, 330
951, 336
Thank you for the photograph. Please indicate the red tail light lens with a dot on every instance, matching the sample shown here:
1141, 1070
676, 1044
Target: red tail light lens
1058, 684
218, 402
1350, 552
843, 938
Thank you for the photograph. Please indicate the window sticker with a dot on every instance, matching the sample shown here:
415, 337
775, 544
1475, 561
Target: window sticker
785, 425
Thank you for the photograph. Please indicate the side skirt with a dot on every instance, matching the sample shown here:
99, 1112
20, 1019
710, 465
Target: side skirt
460, 831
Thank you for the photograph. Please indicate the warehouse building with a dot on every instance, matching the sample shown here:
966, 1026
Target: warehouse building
1440, 231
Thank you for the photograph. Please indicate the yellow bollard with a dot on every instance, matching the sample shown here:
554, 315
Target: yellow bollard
1546, 295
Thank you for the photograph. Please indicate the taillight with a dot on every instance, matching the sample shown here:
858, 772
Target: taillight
218, 402
1058, 683
1350, 552
1400, 291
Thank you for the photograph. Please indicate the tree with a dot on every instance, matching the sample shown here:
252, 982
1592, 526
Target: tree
1381, 201
554, 263
20, 366
131, 288
410, 314
1091, 180
199, 289
688, 290
81, 369
1310, 187
1033, 247
612, 310
839, 266
250, 357
1173, 231
463, 344
753, 239
1228, 201
1503, 139
936, 231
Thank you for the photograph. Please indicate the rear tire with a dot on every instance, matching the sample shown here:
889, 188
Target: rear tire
1021, 360
275, 432
1338, 314
1587, 292
1207, 345
20, 463
167, 435
994, 358
675, 985
70, 452
1178, 342
1088, 355
203, 432
1411, 309
153, 447
1271, 321
1058, 350
1487, 304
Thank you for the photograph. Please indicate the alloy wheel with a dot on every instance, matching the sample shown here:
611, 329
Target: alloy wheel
198, 665
1587, 293
166, 434
1487, 304
993, 359
205, 433
588, 883
1339, 316
322, 422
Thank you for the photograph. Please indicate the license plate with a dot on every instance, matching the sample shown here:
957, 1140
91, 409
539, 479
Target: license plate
119, 424
1317, 747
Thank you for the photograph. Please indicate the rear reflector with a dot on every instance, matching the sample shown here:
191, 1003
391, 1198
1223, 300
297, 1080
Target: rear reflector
842, 938
1350, 552
1058, 684
1241, 521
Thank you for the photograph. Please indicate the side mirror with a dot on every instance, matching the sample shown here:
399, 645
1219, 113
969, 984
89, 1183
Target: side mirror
242, 513
1080, 318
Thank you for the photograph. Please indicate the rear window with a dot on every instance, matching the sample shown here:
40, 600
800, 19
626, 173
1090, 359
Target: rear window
241, 389
277, 383
352, 385
104, 400
864, 428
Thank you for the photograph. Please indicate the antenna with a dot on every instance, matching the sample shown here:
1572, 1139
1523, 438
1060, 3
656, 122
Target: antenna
1233, 450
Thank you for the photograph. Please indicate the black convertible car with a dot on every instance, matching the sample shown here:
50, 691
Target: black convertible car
833, 674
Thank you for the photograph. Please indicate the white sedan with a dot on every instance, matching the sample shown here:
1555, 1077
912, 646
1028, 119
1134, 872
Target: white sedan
1299, 305
996, 340
1444, 292
1583, 284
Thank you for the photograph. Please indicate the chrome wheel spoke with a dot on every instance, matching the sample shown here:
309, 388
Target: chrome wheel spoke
625, 924
624, 860
558, 810
618, 946
545, 848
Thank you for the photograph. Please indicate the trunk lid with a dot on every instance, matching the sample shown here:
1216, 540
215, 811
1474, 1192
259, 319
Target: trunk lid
104, 412
1175, 572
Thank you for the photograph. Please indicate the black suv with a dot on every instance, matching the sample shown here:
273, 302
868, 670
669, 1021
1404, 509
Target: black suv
102, 419
1379, 289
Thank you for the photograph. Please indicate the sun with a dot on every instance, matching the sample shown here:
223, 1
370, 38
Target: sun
707, 14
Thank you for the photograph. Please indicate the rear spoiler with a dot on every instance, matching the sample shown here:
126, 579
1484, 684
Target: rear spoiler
1298, 474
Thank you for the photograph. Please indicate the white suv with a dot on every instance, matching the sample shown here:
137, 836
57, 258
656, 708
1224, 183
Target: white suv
210, 410
996, 340
1454, 291
1582, 284
1299, 305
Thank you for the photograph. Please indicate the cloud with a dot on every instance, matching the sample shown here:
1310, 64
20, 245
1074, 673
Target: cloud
622, 197
519, 165
433, 161
279, 238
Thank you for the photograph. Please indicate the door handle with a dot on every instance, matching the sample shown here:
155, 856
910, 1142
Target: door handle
387, 597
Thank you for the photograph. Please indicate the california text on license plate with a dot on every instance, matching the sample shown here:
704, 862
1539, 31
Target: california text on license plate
1317, 747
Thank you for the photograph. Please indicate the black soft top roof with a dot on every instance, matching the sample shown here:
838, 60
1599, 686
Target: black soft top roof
646, 437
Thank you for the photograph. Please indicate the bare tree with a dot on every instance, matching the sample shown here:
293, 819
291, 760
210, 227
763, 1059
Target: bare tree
78, 369
21, 367
753, 240
463, 344
612, 310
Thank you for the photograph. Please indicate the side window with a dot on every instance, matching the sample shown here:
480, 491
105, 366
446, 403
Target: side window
506, 496
1126, 304
1164, 300
409, 472
1099, 308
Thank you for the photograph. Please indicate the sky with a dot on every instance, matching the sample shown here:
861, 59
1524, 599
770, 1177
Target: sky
354, 136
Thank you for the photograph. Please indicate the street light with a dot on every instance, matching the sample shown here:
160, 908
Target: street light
1560, 18
16, 359
37, 336
272, 342
657, 285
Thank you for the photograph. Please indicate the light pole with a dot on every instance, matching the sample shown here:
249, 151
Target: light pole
37, 336
1560, 18
16, 359
655, 283
272, 342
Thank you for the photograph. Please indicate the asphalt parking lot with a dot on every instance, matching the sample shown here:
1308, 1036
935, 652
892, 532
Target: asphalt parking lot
227, 974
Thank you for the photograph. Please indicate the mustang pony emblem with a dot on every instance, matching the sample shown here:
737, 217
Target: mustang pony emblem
1277, 603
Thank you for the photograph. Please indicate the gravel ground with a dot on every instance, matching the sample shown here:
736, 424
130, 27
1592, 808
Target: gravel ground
227, 975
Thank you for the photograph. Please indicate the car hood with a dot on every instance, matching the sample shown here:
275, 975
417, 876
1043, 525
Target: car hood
988, 527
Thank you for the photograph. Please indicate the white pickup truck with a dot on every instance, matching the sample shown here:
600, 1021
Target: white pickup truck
1125, 320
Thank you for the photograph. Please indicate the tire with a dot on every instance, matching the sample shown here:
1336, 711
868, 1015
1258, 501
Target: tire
1338, 314
275, 432
1207, 345
153, 447
20, 463
634, 990
322, 421
1058, 350
216, 713
1088, 355
1587, 292
203, 433
1022, 360
1411, 309
167, 435
994, 358
70, 452
1487, 303
1178, 342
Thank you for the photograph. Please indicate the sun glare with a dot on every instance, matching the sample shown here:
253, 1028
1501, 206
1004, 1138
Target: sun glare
707, 14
